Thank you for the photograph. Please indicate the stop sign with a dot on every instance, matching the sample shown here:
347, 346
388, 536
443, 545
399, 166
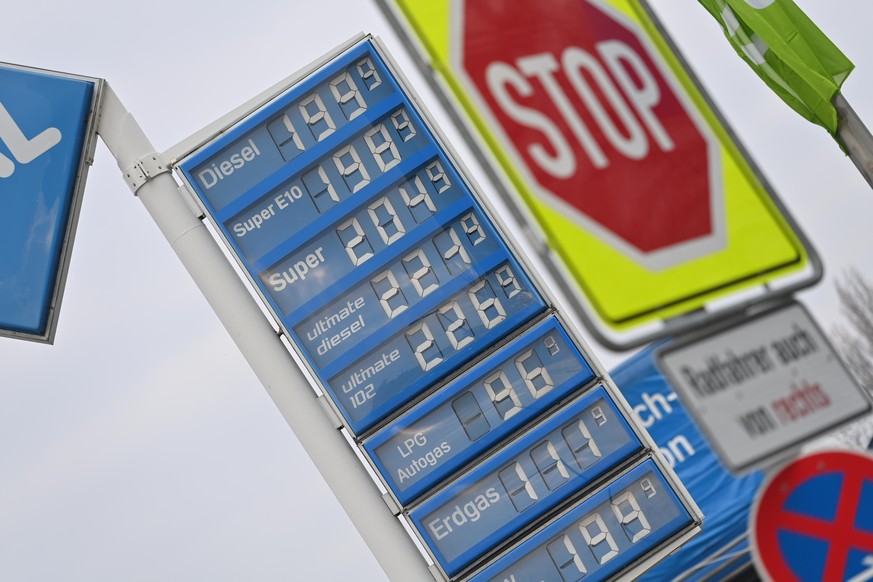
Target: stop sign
594, 121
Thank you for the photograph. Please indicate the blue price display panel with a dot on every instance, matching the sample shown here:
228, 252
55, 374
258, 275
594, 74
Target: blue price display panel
522, 482
360, 234
601, 536
478, 410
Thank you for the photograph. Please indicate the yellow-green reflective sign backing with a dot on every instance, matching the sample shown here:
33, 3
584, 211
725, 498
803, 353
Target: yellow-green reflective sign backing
635, 182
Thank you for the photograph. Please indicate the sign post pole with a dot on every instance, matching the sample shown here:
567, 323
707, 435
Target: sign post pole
259, 344
855, 137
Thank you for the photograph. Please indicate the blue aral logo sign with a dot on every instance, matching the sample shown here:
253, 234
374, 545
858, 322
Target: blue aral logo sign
45, 135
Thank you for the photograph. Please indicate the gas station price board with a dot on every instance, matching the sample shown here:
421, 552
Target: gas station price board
359, 233
426, 332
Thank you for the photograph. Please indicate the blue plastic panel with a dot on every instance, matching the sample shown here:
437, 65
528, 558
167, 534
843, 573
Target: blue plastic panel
547, 465
38, 173
478, 410
368, 247
599, 537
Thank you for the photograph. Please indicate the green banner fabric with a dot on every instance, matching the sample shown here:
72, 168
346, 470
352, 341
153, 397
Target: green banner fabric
788, 52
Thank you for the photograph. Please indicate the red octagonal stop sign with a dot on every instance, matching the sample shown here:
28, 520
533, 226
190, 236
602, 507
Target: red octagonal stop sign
594, 120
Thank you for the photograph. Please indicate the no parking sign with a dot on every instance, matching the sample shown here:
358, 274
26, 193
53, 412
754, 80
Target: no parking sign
814, 520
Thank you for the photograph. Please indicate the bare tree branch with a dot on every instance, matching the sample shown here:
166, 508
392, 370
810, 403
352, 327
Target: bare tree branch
855, 342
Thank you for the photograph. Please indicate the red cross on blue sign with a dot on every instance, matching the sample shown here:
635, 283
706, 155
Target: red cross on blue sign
814, 520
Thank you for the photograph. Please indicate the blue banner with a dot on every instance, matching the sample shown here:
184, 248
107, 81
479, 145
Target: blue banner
724, 499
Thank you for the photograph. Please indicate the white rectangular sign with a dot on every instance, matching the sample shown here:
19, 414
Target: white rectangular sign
757, 387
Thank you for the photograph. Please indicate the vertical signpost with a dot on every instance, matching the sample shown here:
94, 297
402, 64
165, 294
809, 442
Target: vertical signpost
435, 347
47, 131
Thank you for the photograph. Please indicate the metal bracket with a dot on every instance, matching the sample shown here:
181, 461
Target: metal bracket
143, 170
331, 414
436, 573
391, 503
192, 203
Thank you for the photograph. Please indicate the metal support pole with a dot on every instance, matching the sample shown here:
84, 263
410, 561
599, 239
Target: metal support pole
855, 137
262, 348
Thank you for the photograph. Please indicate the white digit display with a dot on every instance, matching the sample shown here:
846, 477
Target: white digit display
391, 298
290, 133
518, 485
369, 73
385, 220
437, 176
507, 281
344, 90
373, 254
551, 345
382, 147
320, 189
578, 438
315, 115
534, 374
472, 229
598, 416
599, 536
627, 511
421, 339
357, 246
403, 126
504, 394
549, 464
348, 162
455, 256
566, 558
487, 304
420, 272
584, 543
648, 488
455, 325
420, 205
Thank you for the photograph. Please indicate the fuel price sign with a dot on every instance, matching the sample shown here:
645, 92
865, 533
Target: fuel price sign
362, 237
455, 375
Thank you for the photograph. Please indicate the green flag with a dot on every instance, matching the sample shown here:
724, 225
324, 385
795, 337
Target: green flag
788, 52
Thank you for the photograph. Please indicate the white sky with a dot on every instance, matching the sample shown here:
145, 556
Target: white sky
140, 446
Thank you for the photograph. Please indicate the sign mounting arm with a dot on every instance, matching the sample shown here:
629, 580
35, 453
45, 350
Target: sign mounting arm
263, 350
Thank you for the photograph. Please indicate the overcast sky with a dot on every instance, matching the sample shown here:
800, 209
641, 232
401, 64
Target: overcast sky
140, 446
